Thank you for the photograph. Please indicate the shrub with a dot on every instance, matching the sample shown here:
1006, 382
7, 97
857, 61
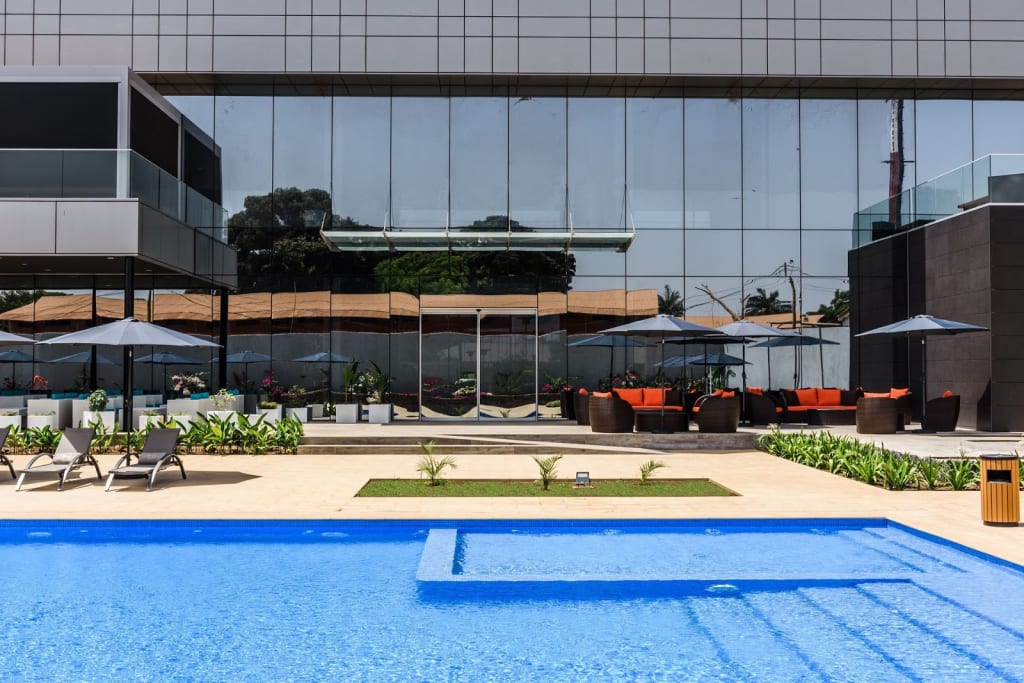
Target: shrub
98, 400
433, 466
648, 468
548, 472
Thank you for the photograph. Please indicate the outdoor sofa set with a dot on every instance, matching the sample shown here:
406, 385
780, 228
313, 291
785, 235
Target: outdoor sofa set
623, 410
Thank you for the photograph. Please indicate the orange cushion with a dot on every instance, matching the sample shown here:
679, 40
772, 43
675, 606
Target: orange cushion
718, 392
798, 409
829, 397
896, 393
602, 394
808, 397
875, 394
947, 394
654, 396
695, 409
728, 394
583, 392
634, 397
756, 391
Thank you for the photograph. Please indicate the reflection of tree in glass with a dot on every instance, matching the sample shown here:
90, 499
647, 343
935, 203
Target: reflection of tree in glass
763, 302
671, 302
837, 309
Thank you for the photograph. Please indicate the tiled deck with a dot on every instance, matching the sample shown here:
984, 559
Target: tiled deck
324, 486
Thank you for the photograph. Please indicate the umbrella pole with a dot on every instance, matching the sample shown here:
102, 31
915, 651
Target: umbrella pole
128, 395
821, 357
924, 378
769, 367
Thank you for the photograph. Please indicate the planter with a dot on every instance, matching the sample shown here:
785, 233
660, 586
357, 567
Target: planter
566, 405
183, 421
381, 413
271, 415
348, 413
229, 415
11, 421
106, 418
300, 414
149, 421
316, 410
37, 421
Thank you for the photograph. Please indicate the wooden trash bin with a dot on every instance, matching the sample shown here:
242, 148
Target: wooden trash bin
1000, 489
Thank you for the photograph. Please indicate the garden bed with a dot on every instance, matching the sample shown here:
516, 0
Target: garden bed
526, 488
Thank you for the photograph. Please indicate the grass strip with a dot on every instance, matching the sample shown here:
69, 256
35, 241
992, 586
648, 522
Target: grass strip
503, 488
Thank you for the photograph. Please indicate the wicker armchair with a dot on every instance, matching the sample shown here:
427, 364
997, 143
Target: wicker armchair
762, 410
941, 414
582, 405
610, 414
718, 414
878, 415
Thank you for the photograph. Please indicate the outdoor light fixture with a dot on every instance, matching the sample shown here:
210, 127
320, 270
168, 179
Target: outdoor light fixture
583, 479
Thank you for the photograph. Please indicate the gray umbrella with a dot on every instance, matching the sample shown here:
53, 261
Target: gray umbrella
661, 327
715, 359
750, 330
129, 333
323, 357
923, 325
13, 356
794, 340
84, 357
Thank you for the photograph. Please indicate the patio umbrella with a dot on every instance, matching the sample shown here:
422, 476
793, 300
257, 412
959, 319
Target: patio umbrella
661, 327
13, 356
612, 341
923, 325
246, 358
715, 359
129, 333
8, 339
84, 357
750, 330
795, 340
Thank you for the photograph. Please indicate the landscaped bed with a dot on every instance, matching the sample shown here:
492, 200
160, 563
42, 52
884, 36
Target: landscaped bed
503, 488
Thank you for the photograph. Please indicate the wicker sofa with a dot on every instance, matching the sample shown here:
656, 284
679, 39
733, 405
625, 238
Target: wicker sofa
819, 405
878, 415
941, 414
615, 411
717, 414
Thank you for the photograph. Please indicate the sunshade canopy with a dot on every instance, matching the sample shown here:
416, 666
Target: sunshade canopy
85, 357
661, 325
167, 358
323, 357
129, 332
752, 330
794, 340
924, 324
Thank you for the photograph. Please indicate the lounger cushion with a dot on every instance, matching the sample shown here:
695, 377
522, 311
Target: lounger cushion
807, 397
830, 397
634, 397
653, 396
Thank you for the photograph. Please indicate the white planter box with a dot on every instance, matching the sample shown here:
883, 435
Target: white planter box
271, 415
11, 421
381, 413
229, 415
348, 413
107, 418
37, 421
147, 421
183, 421
301, 414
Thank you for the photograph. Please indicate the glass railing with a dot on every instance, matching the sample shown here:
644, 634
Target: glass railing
107, 174
934, 199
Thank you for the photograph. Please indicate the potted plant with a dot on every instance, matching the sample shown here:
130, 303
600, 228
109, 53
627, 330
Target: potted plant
98, 413
378, 385
37, 420
183, 420
223, 403
10, 417
295, 404
149, 418
350, 410
271, 411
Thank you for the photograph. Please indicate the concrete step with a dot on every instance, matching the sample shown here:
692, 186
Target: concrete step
450, 449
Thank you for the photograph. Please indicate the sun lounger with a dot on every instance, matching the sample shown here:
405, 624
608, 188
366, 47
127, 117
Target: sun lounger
3, 458
157, 453
71, 453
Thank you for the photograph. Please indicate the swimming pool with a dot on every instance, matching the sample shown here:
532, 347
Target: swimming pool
854, 600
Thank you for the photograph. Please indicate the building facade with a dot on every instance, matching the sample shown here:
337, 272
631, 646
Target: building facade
458, 189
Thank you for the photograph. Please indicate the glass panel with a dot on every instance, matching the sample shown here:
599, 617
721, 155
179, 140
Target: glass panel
537, 163
448, 368
714, 252
656, 252
301, 159
828, 163
943, 137
997, 128
419, 162
197, 108
875, 122
771, 164
764, 251
713, 163
597, 163
361, 163
479, 152
508, 378
245, 134
654, 162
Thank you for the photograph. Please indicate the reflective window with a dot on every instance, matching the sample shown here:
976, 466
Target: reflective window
997, 127
197, 108
597, 163
598, 263
943, 137
713, 177
537, 164
764, 251
361, 162
479, 154
771, 164
714, 252
727, 290
656, 252
419, 162
302, 160
828, 163
876, 120
824, 252
654, 162
245, 133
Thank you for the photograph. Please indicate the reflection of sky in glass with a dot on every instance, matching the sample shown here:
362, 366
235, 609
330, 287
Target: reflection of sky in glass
874, 123
764, 251
597, 163
537, 161
828, 157
479, 152
991, 134
943, 137
713, 182
771, 164
244, 131
419, 162
361, 166
301, 160
654, 162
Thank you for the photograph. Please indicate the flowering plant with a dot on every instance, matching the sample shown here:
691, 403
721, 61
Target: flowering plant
376, 383
10, 383
38, 383
269, 385
556, 384
186, 383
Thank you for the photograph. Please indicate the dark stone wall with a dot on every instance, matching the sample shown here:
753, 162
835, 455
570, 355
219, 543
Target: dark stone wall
1007, 318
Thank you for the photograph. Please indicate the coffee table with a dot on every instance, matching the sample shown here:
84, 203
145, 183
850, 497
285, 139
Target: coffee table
651, 421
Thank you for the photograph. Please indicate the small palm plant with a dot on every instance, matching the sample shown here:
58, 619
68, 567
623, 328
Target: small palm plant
432, 465
547, 469
648, 468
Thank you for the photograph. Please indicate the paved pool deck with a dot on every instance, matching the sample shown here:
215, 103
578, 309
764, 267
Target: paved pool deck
324, 486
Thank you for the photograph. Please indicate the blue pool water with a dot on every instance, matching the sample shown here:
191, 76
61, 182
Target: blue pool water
860, 600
